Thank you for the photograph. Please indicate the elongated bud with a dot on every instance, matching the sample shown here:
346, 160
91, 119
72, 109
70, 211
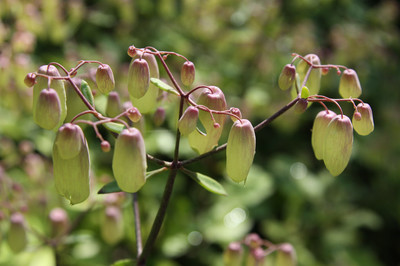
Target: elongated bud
30, 79
256, 257
240, 150
286, 255
188, 73
349, 86
365, 124
159, 116
112, 227
287, 77
314, 79
138, 78
59, 221
75, 104
114, 106
17, 238
48, 109
69, 140
318, 133
129, 162
233, 255
105, 79
338, 144
188, 121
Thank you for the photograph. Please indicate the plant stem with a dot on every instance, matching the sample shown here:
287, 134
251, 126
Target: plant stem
135, 205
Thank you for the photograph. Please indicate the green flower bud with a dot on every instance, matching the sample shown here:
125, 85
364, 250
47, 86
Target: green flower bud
233, 255
48, 109
105, 146
286, 255
256, 257
318, 133
114, 106
112, 227
17, 238
133, 114
30, 79
59, 221
365, 124
105, 79
129, 163
349, 86
240, 150
69, 140
75, 104
235, 111
188, 121
188, 73
287, 77
253, 241
338, 144
159, 116
314, 80
301, 106
138, 78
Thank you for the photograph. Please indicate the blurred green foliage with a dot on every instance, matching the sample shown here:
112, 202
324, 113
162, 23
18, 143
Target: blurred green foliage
241, 47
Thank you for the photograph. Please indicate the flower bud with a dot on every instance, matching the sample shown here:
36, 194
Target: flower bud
287, 77
233, 255
59, 221
235, 111
325, 71
188, 121
256, 257
318, 133
286, 255
134, 115
69, 140
314, 79
138, 78
356, 116
112, 227
159, 116
114, 106
129, 163
301, 106
240, 150
48, 109
17, 238
338, 144
365, 124
105, 79
349, 86
75, 104
253, 241
30, 79
105, 146
188, 73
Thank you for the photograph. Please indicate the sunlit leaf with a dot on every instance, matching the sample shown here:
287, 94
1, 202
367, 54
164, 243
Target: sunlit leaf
114, 127
206, 182
163, 86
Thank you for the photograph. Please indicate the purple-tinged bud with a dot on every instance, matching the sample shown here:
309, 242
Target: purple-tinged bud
188, 73
114, 106
233, 255
301, 106
286, 255
105, 146
256, 257
129, 163
69, 140
253, 241
349, 86
188, 121
325, 71
48, 109
159, 116
105, 79
318, 133
235, 111
314, 79
17, 238
338, 144
30, 79
138, 78
134, 115
365, 124
112, 227
240, 150
287, 77
59, 221
131, 51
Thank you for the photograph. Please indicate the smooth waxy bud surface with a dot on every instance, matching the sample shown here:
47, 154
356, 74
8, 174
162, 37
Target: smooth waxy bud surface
69, 140
48, 109
134, 115
349, 86
138, 78
318, 133
287, 77
159, 116
314, 80
59, 221
338, 144
233, 255
17, 238
129, 163
112, 227
286, 255
30, 79
105, 79
365, 124
188, 73
240, 150
188, 121
114, 106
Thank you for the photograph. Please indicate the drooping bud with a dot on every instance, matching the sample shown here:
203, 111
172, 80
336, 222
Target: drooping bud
301, 106
286, 255
325, 71
159, 116
59, 221
112, 227
114, 106
314, 79
188, 121
138, 78
253, 241
235, 111
287, 77
48, 109
105, 79
30, 79
318, 133
105, 146
349, 86
365, 124
256, 257
240, 150
69, 140
75, 104
133, 114
188, 73
129, 163
356, 116
17, 238
338, 144
233, 255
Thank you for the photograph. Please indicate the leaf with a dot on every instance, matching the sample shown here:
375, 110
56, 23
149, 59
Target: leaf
206, 182
154, 172
163, 86
87, 92
114, 127
124, 262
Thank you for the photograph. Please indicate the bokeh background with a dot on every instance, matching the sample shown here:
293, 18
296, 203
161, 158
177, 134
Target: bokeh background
241, 47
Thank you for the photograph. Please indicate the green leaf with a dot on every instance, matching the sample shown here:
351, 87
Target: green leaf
114, 127
154, 172
206, 182
124, 262
163, 86
87, 92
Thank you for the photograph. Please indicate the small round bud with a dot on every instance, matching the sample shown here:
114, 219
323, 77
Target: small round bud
365, 124
350, 86
188, 121
132, 51
325, 71
235, 111
216, 125
188, 73
318, 132
30, 79
48, 109
133, 114
159, 116
105, 79
138, 78
287, 77
69, 140
233, 255
356, 116
105, 146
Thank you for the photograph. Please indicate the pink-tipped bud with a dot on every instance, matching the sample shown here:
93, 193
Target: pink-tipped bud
314, 79
138, 78
59, 221
338, 144
188, 121
48, 109
256, 257
350, 86
69, 140
132, 51
30, 79
129, 162
159, 116
105, 79
364, 122
286, 255
235, 111
112, 227
240, 150
114, 106
188, 73
318, 133
17, 238
133, 114
325, 71
253, 241
287, 77
105, 146
233, 255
